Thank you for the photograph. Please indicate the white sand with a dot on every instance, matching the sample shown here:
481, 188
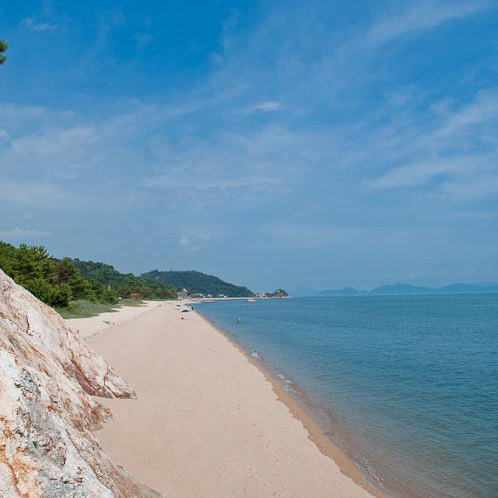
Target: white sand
207, 423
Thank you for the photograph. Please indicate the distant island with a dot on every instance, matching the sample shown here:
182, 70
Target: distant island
279, 293
404, 289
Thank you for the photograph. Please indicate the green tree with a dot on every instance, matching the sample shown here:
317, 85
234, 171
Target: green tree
3, 48
61, 296
68, 274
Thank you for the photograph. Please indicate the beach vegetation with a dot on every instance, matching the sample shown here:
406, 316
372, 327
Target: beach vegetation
82, 308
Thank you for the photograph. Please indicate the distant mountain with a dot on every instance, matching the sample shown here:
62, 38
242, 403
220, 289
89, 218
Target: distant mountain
401, 289
197, 283
484, 288
302, 292
345, 291
407, 289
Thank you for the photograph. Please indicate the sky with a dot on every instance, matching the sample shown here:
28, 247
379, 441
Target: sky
288, 144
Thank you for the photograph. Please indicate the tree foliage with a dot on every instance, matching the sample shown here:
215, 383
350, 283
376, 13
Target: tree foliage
197, 283
3, 49
57, 282
124, 283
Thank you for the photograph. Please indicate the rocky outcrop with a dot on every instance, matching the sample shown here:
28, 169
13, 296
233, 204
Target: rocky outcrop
47, 414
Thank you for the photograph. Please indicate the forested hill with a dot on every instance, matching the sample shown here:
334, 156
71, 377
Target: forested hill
61, 282
198, 283
124, 283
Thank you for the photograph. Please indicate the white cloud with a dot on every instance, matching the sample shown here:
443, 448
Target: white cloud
481, 111
459, 149
34, 24
63, 152
196, 152
192, 244
21, 233
471, 188
35, 193
419, 173
203, 182
426, 15
267, 106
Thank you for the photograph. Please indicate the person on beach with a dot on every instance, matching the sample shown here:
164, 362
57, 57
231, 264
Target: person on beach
238, 320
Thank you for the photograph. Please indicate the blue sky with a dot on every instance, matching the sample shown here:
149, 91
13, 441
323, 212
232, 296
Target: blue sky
317, 144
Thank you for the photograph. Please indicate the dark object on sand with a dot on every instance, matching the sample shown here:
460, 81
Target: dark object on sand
185, 311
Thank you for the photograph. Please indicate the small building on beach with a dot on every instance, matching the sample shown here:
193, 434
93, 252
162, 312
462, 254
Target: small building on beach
183, 294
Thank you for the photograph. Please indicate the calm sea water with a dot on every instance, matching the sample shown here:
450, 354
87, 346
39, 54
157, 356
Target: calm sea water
409, 385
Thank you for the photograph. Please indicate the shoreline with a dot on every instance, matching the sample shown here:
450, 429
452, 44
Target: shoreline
230, 429
299, 411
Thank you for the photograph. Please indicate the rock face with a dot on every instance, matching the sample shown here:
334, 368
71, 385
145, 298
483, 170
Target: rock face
47, 416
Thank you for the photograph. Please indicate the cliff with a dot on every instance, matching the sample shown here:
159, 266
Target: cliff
47, 413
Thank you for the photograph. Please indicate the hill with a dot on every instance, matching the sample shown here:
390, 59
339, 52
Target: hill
197, 282
124, 283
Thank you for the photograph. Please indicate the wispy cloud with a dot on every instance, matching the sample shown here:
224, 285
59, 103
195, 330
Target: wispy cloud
23, 234
424, 15
460, 150
35, 24
284, 138
25, 193
60, 151
267, 106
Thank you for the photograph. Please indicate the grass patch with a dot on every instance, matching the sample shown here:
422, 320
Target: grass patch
134, 303
82, 308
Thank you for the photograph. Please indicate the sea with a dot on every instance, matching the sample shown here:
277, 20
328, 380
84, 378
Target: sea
407, 386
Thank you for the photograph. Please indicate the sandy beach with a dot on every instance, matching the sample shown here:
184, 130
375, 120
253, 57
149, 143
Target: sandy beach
207, 422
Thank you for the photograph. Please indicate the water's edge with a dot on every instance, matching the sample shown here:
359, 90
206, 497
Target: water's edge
313, 417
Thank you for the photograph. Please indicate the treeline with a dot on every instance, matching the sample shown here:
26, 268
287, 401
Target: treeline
57, 282
53, 281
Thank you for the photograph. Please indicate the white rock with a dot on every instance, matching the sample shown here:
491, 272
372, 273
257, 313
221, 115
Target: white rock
47, 416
